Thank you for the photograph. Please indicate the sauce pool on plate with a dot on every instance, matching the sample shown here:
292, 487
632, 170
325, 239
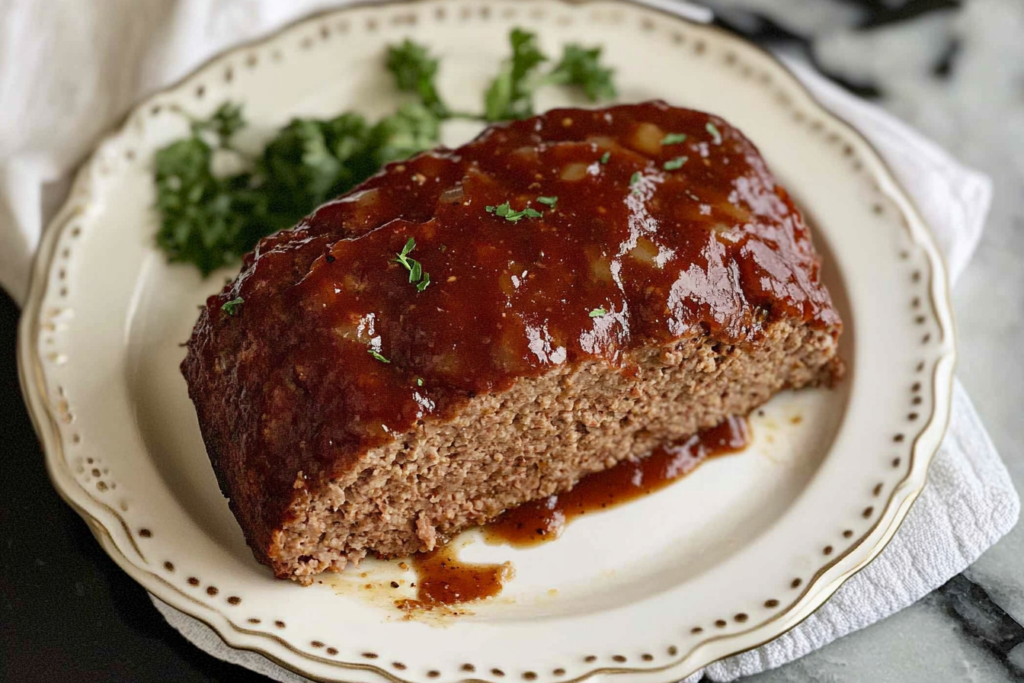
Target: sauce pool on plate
443, 580
544, 520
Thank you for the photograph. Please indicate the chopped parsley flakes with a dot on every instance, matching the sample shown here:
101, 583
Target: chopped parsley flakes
711, 128
605, 157
511, 215
231, 307
599, 312
634, 181
415, 268
673, 139
673, 164
548, 201
376, 354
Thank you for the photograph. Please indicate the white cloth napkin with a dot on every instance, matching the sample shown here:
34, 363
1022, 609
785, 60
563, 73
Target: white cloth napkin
69, 69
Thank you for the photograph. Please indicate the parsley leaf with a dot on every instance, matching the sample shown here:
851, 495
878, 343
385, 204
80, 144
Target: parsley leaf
713, 129
548, 201
376, 354
415, 71
581, 67
599, 312
231, 307
415, 268
412, 129
605, 157
635, 178
510, 95
673, 139
223, 123
199, 222
673, 164
307, 163
511, 215
424, 283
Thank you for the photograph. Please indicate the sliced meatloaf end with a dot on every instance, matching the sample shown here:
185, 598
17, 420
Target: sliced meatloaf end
424, 353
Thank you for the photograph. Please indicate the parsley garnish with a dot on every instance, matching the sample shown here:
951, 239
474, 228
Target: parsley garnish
419, 381
508, 213
605, 157
410, 130
200, 221
711, 128
223, 123
582, 67
510, 95
599, 312
415, 268
673, 164
635, 178
548, 201
210, 220
415, 71
376, 354
673, 138
231, 307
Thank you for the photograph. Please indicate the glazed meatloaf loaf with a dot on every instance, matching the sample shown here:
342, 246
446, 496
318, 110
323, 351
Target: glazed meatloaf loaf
479, 327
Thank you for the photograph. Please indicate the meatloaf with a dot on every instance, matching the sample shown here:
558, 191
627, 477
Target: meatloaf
479, 327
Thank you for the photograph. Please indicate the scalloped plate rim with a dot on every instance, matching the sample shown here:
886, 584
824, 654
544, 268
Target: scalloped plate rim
824, 585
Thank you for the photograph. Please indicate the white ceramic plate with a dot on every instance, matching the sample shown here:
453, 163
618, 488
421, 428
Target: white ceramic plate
721, 562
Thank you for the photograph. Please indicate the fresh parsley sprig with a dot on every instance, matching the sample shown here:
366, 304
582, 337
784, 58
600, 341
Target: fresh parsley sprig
510, 95
210, 220
581, 67
415, 70
223, 123
202, 216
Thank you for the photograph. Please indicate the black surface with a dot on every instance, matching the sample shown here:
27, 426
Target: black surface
67, 612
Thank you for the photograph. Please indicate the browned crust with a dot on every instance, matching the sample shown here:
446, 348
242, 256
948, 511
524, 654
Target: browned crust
254, 408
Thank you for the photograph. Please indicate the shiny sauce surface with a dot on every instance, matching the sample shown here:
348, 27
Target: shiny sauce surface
649, 223
544, 520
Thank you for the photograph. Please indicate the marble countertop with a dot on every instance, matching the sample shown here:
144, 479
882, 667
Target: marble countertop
954, 69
